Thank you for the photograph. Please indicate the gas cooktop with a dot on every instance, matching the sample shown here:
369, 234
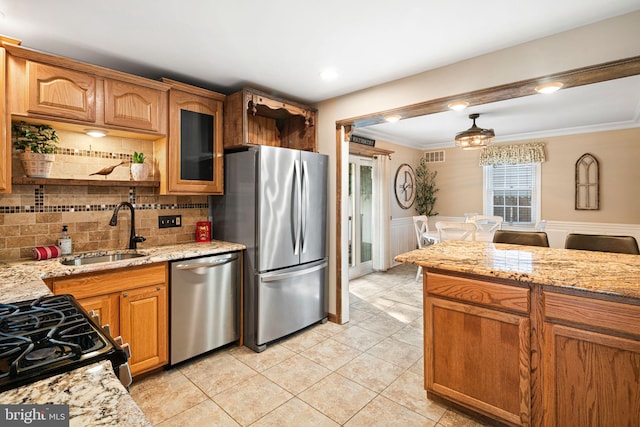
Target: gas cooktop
47, 336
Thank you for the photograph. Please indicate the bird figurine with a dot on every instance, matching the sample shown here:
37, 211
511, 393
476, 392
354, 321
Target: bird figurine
106, 171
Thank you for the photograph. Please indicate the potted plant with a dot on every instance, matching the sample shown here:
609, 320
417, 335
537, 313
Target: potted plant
425, 189
38, 143
139, 169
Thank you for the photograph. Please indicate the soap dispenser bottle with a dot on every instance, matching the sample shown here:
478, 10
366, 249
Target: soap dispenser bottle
64, 242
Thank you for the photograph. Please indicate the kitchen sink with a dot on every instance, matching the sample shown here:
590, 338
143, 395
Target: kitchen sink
94, 259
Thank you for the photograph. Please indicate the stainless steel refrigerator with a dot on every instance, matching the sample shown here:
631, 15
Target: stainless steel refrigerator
275, 203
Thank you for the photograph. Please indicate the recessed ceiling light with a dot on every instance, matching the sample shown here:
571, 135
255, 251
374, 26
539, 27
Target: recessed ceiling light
392, 118
549, 87
458, 105
329, 74
96, 133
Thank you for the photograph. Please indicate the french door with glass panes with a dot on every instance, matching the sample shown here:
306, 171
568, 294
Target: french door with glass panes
360, 216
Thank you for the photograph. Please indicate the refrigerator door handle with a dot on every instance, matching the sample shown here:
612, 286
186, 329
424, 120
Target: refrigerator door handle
305, 197
281, 276
298, 211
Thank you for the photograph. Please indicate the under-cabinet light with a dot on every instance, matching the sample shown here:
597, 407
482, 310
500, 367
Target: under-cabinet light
96, 133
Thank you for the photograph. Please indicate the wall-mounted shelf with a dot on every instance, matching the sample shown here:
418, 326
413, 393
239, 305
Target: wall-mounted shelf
93, 182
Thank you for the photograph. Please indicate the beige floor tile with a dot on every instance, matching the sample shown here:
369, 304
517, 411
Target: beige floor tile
396, 352
331, 354
252, 399
337, 397
408, 391
165, 394
418, 324
206, 413
404, 312
329, 329
358, 338
383, 325
410, 294
356, 316
273, 355
456, 419
409, 335
371, 372
296, 374
303, 340
217, 373
383, 412
295, 412
418, 367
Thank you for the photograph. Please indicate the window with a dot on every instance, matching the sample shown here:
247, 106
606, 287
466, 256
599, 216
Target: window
511, 191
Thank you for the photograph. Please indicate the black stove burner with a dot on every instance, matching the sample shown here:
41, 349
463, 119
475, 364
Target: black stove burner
47, 336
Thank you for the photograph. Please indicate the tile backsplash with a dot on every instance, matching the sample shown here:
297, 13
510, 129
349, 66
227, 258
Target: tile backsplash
33, 215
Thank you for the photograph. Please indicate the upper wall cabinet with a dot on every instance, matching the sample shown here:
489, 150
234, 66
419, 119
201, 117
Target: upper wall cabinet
59, 92
257, 118
190, 161
133, 106
44, 87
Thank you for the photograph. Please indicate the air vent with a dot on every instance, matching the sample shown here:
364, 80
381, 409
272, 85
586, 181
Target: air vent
434, 156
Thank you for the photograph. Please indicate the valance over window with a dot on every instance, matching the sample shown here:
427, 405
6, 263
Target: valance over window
513, 154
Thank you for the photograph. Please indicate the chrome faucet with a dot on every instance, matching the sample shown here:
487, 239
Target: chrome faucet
133, 238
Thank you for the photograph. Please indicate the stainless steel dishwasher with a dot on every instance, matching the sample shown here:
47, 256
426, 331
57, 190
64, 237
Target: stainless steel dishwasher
205, 302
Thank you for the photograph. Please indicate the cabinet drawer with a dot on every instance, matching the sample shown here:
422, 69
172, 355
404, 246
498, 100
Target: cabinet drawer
100, 283
612, 316
489, 294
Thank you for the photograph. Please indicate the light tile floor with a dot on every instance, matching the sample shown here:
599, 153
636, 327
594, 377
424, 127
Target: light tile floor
368, 372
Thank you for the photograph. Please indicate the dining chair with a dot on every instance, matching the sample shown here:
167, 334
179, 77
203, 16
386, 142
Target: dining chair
525, 238
452, 230
421, 227
487, 223
602, 243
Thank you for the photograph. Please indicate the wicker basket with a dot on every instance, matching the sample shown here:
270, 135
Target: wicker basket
37, 165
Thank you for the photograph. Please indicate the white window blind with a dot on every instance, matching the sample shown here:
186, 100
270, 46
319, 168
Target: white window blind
511, 191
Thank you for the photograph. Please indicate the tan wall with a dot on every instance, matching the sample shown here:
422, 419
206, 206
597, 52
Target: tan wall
460, 178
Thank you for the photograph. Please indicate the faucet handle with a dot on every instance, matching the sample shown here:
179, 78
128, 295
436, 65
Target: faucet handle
139, 239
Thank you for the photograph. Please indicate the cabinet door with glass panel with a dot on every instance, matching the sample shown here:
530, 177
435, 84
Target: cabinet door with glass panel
191, 159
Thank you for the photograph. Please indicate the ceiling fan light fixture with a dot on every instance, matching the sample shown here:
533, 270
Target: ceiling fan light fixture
392, 118
474, 137
550, 87
458, 105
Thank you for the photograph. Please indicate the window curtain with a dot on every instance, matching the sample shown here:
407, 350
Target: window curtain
381, 214
513, 154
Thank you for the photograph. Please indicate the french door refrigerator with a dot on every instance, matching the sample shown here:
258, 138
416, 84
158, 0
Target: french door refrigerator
275, 203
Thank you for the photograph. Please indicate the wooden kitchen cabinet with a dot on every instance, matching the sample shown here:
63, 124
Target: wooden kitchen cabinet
134, 106
143, 319
107, 309
477, 345
591, 353
134, 301
190, 160
5, 129
75, 96
60, 92
256, 118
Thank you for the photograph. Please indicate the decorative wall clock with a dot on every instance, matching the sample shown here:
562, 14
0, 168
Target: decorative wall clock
405, 186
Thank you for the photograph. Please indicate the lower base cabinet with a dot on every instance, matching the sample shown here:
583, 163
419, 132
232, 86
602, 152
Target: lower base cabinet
134, 302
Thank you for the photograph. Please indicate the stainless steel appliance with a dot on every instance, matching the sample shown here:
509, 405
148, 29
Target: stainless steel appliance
51, 335
275, 203
205, 303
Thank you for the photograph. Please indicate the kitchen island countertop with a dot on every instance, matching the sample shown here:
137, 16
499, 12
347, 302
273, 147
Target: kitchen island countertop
594, 272
93, 393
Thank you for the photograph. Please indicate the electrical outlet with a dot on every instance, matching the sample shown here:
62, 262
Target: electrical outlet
167, 221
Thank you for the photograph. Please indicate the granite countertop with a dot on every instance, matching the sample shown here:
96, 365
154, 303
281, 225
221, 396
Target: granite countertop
597, 272
94, 394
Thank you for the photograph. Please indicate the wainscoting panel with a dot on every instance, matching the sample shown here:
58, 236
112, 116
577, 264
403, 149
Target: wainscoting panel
403, 237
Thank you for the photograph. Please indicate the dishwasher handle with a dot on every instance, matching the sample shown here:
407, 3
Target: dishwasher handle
213, 263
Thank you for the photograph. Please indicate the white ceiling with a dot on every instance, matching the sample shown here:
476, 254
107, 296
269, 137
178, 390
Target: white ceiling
283, 45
